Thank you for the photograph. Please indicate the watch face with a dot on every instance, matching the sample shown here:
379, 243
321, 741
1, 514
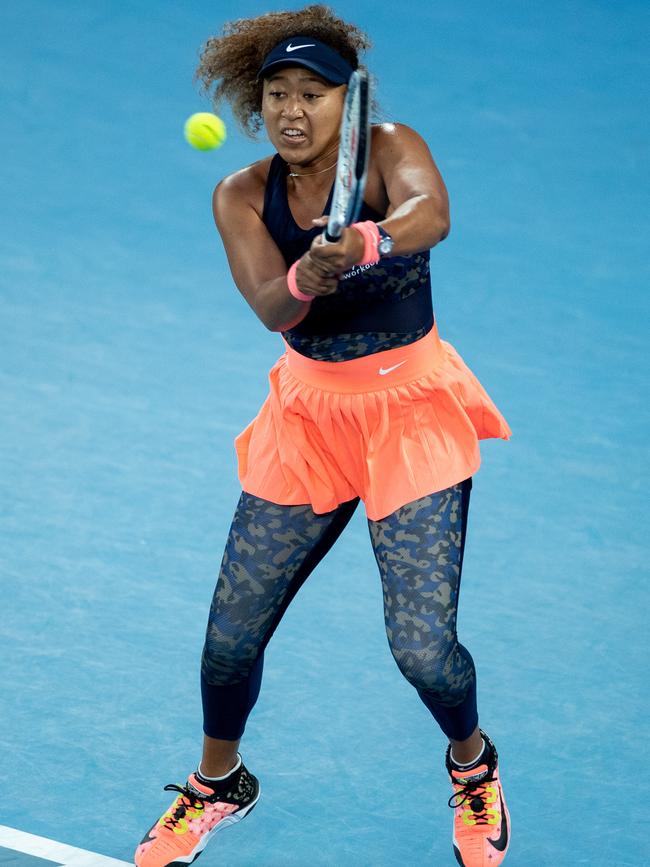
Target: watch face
385, 245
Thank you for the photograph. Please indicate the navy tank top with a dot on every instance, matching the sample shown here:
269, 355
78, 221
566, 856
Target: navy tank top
375, 307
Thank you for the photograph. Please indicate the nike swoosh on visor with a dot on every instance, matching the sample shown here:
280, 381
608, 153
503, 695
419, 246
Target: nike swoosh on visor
296, 47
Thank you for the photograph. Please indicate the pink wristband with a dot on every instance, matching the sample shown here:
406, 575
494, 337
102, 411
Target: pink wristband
293, 286
370, 234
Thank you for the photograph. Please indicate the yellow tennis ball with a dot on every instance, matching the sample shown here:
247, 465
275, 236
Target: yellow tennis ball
205, 131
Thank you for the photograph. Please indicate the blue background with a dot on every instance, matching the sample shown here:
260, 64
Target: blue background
128, 361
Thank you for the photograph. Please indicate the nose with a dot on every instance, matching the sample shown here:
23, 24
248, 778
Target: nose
292, 108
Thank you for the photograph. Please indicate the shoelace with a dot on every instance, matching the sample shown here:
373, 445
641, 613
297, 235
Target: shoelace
190, 801
473, 794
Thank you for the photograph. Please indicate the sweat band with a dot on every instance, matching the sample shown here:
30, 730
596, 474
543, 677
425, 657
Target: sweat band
293, 286
370, 234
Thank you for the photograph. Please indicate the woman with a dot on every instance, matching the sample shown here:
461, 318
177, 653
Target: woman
366, 403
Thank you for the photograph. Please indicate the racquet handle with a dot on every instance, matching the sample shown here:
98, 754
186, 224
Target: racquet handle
333, 232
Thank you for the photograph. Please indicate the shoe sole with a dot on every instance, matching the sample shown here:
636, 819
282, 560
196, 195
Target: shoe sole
232, 819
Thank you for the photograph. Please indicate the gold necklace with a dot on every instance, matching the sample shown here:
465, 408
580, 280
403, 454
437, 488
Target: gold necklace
307, 174
319, 172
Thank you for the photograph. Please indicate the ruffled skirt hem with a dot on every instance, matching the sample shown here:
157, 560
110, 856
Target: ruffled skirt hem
388, 428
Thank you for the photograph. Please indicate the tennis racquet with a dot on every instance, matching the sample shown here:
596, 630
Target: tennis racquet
354, 151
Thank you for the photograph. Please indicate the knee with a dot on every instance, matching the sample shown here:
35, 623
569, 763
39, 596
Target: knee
224, 660
438, 669
421, 668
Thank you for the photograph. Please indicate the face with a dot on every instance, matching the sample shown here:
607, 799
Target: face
302, 114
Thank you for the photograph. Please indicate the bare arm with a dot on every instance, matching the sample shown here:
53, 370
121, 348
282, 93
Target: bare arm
257, 265
418, 212
418, 205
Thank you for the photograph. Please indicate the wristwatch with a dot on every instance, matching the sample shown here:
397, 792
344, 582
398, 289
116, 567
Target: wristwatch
386, 243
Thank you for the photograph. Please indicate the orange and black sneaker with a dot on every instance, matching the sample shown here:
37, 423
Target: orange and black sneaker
200, 810
481, 818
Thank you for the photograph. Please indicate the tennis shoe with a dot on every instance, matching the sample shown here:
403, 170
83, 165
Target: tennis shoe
197, 813
481, 820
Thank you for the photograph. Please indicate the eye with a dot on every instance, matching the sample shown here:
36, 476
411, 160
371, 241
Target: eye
311, 96
276, 93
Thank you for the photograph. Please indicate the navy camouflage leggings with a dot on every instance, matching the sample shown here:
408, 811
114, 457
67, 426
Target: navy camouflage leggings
270, 552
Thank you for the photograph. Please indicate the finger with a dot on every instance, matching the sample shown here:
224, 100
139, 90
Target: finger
311, 279
320, 221
326, 256
322, 243
327, 270
321, 286
330, 281
325, 264
326, 287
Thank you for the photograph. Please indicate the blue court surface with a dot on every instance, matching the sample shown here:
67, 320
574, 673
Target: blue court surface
128, 362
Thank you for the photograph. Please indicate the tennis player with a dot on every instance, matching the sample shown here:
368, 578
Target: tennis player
366, 403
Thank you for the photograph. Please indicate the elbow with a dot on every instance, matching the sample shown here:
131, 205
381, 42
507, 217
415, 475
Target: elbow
438, 220
275, 327
266, 316
440, 225
274, 306
271, 323
280, 326
277, 321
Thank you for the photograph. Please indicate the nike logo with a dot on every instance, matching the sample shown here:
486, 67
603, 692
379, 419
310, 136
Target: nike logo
296, 47
502, 841
384, 370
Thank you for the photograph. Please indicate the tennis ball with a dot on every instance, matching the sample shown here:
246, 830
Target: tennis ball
205, 131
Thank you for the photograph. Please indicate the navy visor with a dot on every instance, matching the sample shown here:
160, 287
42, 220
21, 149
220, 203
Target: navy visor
311, 53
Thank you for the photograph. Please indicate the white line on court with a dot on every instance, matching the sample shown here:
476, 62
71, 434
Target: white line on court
61, 853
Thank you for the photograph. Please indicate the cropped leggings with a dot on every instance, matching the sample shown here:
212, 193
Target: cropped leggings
270, 552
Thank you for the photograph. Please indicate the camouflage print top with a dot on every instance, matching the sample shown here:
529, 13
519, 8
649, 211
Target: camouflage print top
375, 307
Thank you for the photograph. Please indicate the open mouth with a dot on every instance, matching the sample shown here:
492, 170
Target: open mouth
293, 134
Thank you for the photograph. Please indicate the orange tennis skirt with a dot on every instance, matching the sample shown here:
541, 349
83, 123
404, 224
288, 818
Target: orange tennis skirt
389, 428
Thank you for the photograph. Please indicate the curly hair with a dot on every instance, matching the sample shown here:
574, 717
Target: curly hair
229, 63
